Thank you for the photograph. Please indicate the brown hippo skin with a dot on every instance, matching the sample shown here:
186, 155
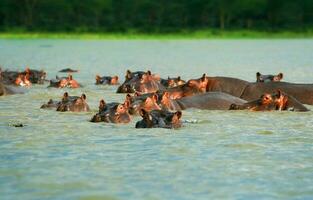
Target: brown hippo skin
205, 101
269, 102
159, 119
76, 105
9, 89
251, 91
302, 92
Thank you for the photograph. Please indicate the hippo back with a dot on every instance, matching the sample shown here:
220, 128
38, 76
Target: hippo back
227, 85
210, 101
302, 92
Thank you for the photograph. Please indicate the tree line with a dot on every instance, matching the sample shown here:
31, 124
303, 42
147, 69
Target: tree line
154, 15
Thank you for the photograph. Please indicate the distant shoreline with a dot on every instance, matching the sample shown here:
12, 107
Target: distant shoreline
205, 34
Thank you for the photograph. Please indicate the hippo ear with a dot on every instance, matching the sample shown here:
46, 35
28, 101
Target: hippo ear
166, 94
176, 117
65, 95
137, 94
98, 77
155, 97
179, 114
126, 104
84, 96
144, 114
278, 93
149, 72
116, 77
128, 74
280, 75
128, 97
101, 104
168, 78
203, 77
178, 78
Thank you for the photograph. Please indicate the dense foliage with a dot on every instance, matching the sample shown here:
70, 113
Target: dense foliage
154, 16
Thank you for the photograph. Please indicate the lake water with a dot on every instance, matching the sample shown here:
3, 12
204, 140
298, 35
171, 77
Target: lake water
215, 155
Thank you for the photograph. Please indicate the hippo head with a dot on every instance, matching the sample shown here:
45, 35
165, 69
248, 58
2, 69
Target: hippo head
35, 76
80, 104
268, 78
100, 116
265, 103
167, 102
50, 104
199, 84
280, 100
173, 82
98, 80
114, 80
159, 119
74, 104
148, 83
148, 104
118, 114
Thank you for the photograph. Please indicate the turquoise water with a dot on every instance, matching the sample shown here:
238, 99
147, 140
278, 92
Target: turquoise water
215, 155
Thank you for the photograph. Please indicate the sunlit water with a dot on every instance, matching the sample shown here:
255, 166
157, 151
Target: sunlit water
216, 154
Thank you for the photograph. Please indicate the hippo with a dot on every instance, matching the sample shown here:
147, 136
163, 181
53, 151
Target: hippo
145, 82
172, 82
9, 89
147, 102
107, 80
51, 104
112, 113
192, 87
64, 82
34, 76
68, 70
104, 109
251, 91
205, 101
268, 78
275, 101
55, 104
159, 119
74, 104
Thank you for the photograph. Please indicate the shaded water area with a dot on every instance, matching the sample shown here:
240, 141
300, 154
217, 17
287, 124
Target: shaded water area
216, 154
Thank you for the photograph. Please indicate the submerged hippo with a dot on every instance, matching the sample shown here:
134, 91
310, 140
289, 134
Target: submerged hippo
62, 82
192, 87
55, 104
148, 102
159, 119
251, 91
74, 104
172, 82
112, 113
68, 70
34, 76
269, 102
142, 82
9, 89
205, 101
106, 80
268, 78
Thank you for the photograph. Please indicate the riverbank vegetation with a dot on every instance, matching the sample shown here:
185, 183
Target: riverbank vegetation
156, 19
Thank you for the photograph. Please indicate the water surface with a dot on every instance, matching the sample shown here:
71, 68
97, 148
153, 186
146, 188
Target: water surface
216, 154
